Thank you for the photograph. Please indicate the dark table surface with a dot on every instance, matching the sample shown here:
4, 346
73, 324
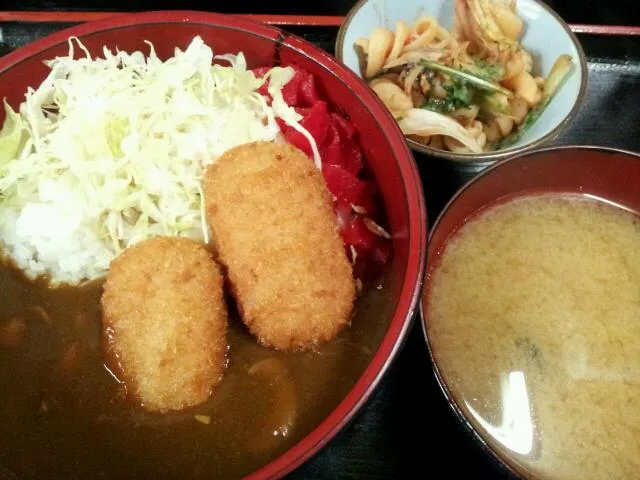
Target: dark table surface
407, 427
621, 12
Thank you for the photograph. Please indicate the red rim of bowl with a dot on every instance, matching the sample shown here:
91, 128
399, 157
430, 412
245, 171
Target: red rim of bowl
407, 305
492, 453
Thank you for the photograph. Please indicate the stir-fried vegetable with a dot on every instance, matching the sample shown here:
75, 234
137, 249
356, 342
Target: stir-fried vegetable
479, 75
559, 72
491, 26
474, 80
481, 68
424, 122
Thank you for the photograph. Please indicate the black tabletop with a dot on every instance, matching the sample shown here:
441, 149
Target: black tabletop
621, 12
407, 429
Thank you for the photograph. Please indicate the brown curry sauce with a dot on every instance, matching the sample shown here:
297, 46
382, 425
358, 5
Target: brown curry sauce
63, 414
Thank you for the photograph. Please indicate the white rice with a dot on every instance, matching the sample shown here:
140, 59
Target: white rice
107, 152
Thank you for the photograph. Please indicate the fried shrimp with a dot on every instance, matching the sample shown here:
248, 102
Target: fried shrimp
165, 322
276, 234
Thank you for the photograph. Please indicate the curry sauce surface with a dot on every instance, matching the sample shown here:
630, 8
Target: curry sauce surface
64, 415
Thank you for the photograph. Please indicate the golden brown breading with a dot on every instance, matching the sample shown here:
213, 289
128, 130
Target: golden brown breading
276, 233
165, 322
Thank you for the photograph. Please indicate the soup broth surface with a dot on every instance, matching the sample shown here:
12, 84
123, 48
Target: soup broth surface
534, 323
63, 415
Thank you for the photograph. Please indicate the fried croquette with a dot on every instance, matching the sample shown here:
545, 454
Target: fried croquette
273, 225
165, 322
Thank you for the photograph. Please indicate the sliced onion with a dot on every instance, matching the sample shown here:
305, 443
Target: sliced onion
417, 121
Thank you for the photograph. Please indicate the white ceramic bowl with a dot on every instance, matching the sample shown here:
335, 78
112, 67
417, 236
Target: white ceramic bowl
546, 36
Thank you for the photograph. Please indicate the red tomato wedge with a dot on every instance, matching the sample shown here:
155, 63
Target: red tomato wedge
316, 122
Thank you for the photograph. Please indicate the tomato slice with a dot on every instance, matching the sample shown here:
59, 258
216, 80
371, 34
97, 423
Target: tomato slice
357, 234
308, 93
332, 149
343, 212
341, 150
343, 184
344, 126
316, 122
349, 188
351, 156
260, 72
291, 89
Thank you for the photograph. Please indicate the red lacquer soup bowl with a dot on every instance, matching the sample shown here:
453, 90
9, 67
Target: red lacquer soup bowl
521, 443
122, 440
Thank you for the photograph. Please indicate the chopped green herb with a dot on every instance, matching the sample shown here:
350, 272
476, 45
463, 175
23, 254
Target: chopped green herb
492, 72
472, 79
438, 106
459, 95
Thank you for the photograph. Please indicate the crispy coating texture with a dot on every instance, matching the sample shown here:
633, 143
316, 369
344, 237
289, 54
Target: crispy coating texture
165, 322
276, 234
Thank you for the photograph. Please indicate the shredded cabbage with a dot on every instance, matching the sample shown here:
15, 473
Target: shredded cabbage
10, 135
109, 151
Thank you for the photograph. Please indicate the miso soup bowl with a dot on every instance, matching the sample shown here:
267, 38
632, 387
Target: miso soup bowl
546, 36
601, 173
388, 156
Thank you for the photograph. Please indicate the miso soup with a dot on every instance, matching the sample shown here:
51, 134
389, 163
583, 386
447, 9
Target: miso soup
533, 317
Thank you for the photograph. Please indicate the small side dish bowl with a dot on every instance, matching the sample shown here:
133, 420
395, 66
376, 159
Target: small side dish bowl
528, 351
545, 36
103, 436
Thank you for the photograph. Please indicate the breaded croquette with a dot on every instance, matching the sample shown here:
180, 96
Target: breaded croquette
165, 322
276, 234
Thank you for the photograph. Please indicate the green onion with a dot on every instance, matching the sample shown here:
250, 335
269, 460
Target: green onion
476, 81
